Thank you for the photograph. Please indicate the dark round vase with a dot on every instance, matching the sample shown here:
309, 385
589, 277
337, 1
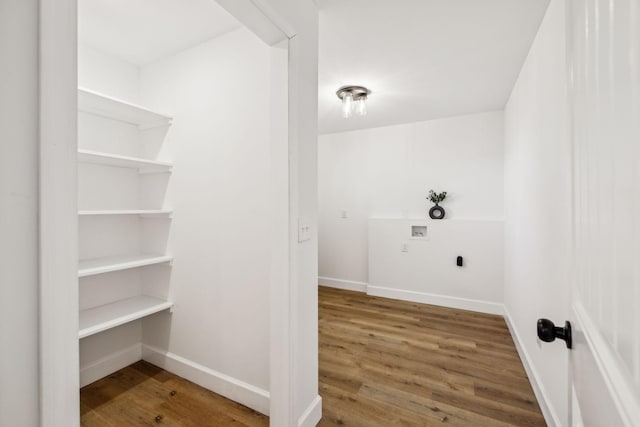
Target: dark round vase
436, 212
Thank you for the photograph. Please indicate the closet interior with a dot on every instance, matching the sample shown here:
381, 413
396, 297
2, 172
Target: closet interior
174, 125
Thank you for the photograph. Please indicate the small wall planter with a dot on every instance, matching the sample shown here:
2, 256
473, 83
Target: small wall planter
436, 212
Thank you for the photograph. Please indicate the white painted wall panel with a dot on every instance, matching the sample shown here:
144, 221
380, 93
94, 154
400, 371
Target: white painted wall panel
220, 188
538, 208
107, 74
387, 172
98, 133
429, 266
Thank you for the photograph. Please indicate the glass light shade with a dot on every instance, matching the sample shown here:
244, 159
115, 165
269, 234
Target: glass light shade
361, 106
347, 104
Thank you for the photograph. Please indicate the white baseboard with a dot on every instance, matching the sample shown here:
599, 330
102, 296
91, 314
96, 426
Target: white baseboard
348, 285
550, 416
229, 387
312, 415
110, 364
434, 299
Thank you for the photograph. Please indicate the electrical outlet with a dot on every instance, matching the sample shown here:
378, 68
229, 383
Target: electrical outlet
404, 247
304, 230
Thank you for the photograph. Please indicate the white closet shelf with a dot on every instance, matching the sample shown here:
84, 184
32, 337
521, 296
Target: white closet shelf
91, 267
99, 319
143, 165
112, 108
141, 212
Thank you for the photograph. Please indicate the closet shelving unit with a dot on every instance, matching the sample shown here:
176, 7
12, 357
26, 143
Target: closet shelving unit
142, 165
113, 108
100, 318
141, 212
91, 267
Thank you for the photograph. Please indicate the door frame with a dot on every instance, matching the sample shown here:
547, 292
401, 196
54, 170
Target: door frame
58, 228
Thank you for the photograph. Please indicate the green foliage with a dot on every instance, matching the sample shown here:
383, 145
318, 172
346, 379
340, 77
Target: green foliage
436, 197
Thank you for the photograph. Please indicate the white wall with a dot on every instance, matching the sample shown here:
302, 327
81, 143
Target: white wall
19, 212
219, 95
295, 382
107, 74
296, 343
426, 270
388, 171
538, 208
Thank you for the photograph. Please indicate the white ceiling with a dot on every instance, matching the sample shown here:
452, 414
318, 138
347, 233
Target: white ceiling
423, 59
143, 31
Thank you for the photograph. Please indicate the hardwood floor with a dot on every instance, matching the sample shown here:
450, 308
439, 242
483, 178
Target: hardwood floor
390, 363
137, 394
383, 363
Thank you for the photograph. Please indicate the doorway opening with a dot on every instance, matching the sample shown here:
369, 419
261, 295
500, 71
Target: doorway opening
182, 129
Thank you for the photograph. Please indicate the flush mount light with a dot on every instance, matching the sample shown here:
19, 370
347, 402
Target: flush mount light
353, 98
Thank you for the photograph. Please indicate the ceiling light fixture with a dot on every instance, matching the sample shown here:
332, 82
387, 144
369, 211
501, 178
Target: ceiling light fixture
353, 98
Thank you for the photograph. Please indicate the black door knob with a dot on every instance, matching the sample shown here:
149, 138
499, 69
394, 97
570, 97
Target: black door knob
548, 332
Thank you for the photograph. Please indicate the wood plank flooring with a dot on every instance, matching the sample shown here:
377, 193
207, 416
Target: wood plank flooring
391, 363
137, 394
383, 363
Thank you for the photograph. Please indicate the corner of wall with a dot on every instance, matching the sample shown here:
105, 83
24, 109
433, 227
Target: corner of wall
234, 389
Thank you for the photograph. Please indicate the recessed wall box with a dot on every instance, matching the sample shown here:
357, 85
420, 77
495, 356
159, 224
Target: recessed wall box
418, 232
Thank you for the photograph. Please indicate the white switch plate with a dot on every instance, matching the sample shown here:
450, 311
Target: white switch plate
344, 214
404, 247
304, 230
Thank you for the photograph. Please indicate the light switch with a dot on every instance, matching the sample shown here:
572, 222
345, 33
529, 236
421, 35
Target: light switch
344, 214
304, 230
404, 247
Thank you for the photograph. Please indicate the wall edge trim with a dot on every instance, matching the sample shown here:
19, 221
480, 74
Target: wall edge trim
487, 307
312, 415
225, 385
349, 285
550, 415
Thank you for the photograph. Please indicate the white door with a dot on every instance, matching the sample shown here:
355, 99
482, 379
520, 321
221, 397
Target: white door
604, 74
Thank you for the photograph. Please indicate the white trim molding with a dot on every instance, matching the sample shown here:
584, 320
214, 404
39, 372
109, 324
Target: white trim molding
348, 285
618, 382
550, 415
312, 415
261, 18
109, 364
435, 299
58, 210
229, 387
